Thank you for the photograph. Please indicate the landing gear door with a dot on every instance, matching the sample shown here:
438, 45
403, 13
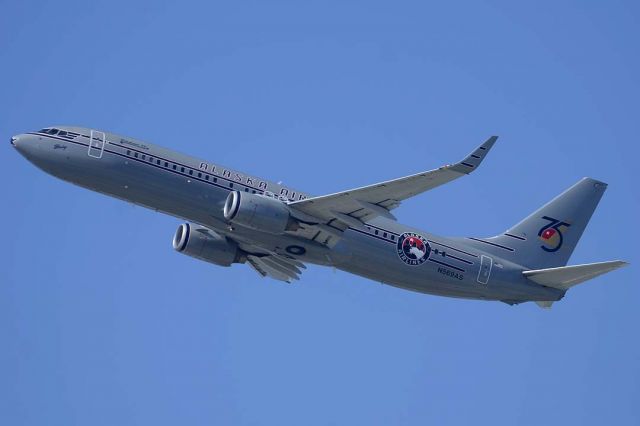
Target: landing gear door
485, 269
96, 143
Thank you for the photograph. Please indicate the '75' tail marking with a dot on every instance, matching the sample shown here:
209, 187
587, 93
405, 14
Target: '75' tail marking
551, 234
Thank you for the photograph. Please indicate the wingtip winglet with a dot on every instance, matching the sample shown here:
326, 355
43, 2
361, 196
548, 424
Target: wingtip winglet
489, 143
473, 160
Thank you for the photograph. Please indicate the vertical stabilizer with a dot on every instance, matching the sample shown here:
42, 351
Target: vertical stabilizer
547, 237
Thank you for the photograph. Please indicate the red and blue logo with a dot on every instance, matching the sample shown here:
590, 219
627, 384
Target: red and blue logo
551, 234
413, 249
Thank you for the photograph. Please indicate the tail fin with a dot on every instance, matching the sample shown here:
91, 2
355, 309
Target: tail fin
547, 237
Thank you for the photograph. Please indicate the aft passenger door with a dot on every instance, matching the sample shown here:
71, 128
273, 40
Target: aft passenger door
485, 269
96, 143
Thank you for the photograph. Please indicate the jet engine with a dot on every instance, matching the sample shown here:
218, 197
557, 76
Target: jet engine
258, 212
204, 244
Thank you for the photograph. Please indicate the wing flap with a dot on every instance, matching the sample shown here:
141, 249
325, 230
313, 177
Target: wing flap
276, 267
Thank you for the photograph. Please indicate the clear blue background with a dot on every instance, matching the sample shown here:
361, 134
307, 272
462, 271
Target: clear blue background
102, 323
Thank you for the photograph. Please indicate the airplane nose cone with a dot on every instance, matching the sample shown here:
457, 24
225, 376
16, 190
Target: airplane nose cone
23, 144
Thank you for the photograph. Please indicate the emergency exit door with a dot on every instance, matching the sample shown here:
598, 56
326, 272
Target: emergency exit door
96, 143
486, 263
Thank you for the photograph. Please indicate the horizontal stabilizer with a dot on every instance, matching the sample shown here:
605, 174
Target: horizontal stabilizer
566, 277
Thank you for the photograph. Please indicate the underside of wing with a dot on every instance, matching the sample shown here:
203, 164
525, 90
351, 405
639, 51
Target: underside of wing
324, 218
275, 266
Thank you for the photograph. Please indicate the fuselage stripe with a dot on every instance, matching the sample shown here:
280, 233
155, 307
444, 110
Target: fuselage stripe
492, 244
374, 236
383, 230
453, 248
160, 167
459, 258
516, 237
447, 265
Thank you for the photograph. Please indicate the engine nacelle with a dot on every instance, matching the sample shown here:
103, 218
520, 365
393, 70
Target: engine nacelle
258, 212
204, 244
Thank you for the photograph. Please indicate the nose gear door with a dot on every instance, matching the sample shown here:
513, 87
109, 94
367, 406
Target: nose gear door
96, 144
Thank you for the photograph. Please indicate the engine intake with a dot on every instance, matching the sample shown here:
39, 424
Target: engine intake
204, 244
258, 212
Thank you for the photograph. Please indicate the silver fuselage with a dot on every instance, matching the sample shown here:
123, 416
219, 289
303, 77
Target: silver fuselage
196, 190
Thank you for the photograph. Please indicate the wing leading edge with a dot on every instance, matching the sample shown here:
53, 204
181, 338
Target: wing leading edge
355, 206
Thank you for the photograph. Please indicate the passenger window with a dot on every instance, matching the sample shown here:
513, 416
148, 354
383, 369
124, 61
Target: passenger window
206, 177
128, 152
191, 172
199, 174
393, 238
384, 234
143, 156
215, 179
135, 154
158, 162
166, 164
174, 167
182, 169
376, 232
246, 190
230, 184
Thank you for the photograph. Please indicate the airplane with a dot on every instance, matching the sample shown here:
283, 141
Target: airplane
233, 217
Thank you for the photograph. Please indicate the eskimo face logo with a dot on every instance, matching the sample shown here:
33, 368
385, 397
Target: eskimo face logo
413, 249
551, 234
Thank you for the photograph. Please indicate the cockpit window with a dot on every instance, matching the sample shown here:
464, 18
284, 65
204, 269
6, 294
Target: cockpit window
50, 131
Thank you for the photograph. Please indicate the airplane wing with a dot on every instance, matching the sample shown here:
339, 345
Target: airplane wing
332, 214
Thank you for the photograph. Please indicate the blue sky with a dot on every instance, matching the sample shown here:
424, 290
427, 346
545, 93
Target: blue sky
102, 323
